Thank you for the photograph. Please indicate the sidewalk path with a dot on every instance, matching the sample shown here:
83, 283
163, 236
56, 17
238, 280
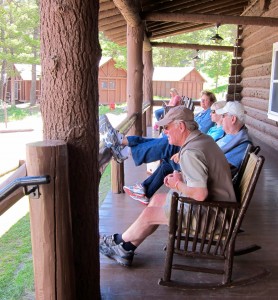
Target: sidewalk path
13, 149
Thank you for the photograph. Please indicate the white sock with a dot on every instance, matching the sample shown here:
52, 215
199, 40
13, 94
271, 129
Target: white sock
120, 137
126, 151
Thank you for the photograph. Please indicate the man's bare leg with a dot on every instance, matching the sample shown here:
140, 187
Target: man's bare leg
147, 222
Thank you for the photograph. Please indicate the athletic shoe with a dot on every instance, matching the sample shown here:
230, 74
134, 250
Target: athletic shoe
143, 199
135, 190
109, 248
111, 138
108, 134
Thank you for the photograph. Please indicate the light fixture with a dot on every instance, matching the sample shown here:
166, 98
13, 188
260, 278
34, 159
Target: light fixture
197, 56
217, 38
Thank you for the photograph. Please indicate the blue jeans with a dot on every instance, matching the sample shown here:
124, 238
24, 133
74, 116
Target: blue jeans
159, 113
146, 150
156, 180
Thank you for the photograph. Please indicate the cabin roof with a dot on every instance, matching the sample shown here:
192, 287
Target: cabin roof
172, 73
25, 71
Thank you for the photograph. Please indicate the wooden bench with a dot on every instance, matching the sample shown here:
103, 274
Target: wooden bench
210, 233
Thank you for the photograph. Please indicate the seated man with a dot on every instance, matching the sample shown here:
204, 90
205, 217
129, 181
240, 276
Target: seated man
205, 174
144, 191
233, 145
236, 138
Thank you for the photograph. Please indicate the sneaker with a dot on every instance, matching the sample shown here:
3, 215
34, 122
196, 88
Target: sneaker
156, 127
118, 153
108, 134
143, 199
109, 248
135, 190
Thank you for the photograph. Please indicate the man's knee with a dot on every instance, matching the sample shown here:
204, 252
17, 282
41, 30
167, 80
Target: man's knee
158, 200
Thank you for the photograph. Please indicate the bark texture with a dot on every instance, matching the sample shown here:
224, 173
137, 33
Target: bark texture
70, 55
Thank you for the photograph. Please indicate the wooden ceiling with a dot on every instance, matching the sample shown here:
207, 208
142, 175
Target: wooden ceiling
163, 18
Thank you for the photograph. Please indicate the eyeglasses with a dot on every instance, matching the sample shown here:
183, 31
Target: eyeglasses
225, 115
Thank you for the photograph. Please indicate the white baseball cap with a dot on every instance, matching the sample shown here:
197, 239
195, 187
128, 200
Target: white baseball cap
234, 108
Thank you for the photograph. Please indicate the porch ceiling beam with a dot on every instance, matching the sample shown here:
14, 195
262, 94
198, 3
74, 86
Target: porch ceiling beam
130, 11
194, 46
218, 19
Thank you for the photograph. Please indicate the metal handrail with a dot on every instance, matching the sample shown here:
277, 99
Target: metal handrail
23, 182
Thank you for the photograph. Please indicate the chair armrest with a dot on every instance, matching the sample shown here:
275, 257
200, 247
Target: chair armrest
222, 204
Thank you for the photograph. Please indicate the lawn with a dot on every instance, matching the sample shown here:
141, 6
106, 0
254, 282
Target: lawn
16, 265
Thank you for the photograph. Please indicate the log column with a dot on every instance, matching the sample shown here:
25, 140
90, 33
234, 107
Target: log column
148, 82
135, 37
50, 218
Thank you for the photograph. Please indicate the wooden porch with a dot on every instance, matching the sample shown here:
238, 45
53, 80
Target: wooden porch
140, 281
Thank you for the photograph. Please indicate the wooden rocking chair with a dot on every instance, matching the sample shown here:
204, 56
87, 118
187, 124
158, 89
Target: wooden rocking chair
210, 234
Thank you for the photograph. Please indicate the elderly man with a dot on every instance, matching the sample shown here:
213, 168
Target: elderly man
236, 138
205, 174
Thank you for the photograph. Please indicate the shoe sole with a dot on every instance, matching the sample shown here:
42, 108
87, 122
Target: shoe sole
130, 193
140, 200
122, 261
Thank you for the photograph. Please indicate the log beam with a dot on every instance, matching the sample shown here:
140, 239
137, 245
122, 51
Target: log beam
194, 46
130, 11
210, 18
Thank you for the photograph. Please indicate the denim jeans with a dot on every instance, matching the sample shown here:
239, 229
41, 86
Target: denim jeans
146, 150
156, 180
159, 113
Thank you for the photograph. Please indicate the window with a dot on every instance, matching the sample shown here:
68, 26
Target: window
273, 93
16, 90
104, 85
112, 85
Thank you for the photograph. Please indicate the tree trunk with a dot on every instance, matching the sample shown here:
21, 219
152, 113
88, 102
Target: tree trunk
3, 80
33, 89
70, 54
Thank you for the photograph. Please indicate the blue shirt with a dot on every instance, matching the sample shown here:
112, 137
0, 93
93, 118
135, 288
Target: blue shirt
216, 132
204, 121
234, 146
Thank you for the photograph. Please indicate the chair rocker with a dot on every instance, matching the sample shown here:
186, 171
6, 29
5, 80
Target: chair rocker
207, 234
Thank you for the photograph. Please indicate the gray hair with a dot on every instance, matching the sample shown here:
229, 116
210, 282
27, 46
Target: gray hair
190, 125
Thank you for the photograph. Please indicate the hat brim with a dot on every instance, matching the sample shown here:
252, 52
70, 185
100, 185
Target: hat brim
221, 111
163, 122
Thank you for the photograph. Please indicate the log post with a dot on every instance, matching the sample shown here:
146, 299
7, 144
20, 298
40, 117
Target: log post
117, 177
148, 83
50, 219
135, 36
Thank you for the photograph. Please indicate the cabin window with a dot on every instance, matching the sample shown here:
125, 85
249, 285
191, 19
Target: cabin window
16, 90
104, 85
273, 93
112, 85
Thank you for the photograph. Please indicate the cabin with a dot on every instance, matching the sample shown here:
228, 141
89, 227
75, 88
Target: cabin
186, 80
22, 83
112, 82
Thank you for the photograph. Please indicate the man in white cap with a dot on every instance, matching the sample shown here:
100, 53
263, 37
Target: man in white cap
205, 174
236, 138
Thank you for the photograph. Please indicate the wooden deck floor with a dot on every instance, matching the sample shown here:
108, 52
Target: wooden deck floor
140, 281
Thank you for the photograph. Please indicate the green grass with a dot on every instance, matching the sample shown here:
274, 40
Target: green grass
18, 113
16, 265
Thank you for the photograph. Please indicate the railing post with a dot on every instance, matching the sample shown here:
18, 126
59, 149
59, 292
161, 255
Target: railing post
117, 177
51, 221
